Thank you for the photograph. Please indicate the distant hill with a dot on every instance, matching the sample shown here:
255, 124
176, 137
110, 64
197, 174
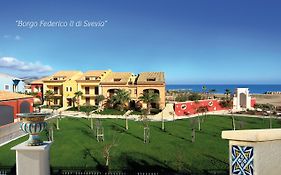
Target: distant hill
29, 79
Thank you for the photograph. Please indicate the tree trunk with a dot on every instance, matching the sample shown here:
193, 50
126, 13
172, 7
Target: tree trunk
270, 122
193, 135
92, 124
148, 108
78, 104
107, 161
233, 123
199, 123
52, 134
163, 125
127, 126
58, 124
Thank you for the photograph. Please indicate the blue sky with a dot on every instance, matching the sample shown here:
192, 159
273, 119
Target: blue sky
193, 42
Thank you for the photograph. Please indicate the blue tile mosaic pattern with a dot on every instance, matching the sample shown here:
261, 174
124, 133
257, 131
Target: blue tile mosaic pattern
242, 160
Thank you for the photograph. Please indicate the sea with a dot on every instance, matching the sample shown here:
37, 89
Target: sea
220, 89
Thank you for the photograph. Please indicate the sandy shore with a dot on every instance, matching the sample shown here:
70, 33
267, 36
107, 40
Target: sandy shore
274, 99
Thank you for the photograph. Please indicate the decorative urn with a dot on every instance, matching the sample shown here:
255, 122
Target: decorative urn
33, 124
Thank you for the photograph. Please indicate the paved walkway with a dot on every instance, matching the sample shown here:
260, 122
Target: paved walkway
10, 132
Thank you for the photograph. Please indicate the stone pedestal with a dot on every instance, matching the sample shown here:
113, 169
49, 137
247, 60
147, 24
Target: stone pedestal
32, 160
254, 152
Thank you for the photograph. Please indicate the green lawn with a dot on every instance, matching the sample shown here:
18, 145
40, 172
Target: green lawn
169, 151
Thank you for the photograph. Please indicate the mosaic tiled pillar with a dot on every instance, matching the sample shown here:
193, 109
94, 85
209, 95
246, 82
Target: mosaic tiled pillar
242, 160
254, 152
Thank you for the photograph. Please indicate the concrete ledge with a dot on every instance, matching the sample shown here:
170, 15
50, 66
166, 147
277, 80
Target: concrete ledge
23, 146
257, 135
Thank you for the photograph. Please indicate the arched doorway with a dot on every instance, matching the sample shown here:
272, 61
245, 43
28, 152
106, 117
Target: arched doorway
243, 100
25, 107
7, 115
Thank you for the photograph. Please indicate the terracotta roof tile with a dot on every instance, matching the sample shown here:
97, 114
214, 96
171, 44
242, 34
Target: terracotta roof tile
93, 73
5, 95
117, 78
151, 78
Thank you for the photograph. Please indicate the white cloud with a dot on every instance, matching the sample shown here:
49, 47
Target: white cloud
6, 36
16, 37
15, 64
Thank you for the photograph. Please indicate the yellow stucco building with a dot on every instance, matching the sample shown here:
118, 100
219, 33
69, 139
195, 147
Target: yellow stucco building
89, 85
135, 84
64, 84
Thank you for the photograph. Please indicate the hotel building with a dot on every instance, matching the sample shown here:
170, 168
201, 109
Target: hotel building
100, 82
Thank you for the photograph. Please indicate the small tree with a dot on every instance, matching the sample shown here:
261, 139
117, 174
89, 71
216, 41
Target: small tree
172, 113
148, 98
120, 98
204, 90
126, 119
78, 94
146, 130
88, 111
193, 132
227, 93
106, 151
212, 91
201, 109
233, 120
163, 122
48, 96
99, 99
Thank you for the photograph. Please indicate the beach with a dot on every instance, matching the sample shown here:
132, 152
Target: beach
274, 99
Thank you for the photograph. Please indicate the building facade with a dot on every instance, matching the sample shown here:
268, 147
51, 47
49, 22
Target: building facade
12, 104
89, 85
64, 84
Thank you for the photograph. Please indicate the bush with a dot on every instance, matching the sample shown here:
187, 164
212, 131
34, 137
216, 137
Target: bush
226, 103
155, 111
194, 97
181, 97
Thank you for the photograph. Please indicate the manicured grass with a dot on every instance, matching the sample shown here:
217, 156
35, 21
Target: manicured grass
108, 111
83, 108
168, 151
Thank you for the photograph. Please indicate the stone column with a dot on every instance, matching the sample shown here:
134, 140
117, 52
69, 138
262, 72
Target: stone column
254, 152
32, 160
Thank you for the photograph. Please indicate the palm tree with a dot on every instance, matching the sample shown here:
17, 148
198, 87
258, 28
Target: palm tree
48, 96
204, 89
212, 91
99, 99
121, 98
148, 98
227, 93
78, 94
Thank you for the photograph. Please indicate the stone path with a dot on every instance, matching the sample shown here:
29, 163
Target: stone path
10, 133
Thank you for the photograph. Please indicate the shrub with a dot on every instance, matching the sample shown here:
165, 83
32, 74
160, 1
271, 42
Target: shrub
181, 97
194, 97
155, 111
226, 103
